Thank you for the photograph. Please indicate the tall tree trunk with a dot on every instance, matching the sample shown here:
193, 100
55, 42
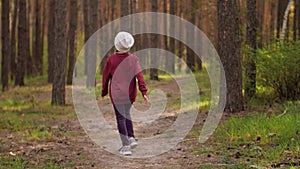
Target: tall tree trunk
154, 40
13, 40
72, 40
5, 61
37, 51
190, 57
58, 86
260, 13
285, 23
51, 43
133, 4
267, 22
22, 40
229, 49
273, 20
171, 59
87, 34
250, 84
181, 47
43, 23
297, 20
124, 11
30, 66
92, 52
280, 15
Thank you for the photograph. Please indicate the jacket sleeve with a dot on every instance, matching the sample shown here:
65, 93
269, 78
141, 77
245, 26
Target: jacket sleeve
139, 75
105, 78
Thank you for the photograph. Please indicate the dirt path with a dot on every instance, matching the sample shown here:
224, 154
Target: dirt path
76, 150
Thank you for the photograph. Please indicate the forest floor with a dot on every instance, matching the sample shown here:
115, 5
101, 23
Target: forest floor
37, 135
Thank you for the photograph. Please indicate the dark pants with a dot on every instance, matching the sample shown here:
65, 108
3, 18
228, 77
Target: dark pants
124, 122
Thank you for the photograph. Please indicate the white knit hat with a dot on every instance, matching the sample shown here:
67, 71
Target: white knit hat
123, 42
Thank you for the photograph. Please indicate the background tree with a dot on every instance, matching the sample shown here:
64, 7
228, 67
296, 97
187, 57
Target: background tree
51, 43
87, 32
191, 16
72, 40
38, 50
13, 46
124, 10
251, 33
22, 41
229, 48
91, 52
154, 40
171, 60
5, 61
30, 66
59, 67
296, 28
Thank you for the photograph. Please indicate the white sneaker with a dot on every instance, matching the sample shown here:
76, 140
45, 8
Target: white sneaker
125, 151
133, 142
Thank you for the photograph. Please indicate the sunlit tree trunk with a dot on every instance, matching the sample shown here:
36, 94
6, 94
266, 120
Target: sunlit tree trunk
229, 48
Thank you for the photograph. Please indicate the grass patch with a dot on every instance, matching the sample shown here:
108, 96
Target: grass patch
260, 127
12, 163
261, 139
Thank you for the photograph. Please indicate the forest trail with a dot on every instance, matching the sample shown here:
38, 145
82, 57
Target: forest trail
70, 147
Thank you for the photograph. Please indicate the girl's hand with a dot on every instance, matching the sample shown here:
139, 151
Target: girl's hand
146, 99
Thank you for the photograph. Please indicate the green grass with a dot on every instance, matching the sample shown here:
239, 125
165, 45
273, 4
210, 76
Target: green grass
260, 127
260, 138
12, 163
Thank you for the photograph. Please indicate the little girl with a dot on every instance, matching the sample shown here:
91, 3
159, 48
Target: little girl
122, 69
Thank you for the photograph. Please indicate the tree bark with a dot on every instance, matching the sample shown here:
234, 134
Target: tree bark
22, 40
280, 15
171, 59
37, 51
250, 83
190, 58
229, 49
13, 48
181, 47
51, 43
87, 34
296, 20
72, 40
58, 86
154, 40
5, 61
124, 8
30, 66
91, 52
285, 23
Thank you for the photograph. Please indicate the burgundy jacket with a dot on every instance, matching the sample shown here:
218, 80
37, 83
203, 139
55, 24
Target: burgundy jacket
122, 69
